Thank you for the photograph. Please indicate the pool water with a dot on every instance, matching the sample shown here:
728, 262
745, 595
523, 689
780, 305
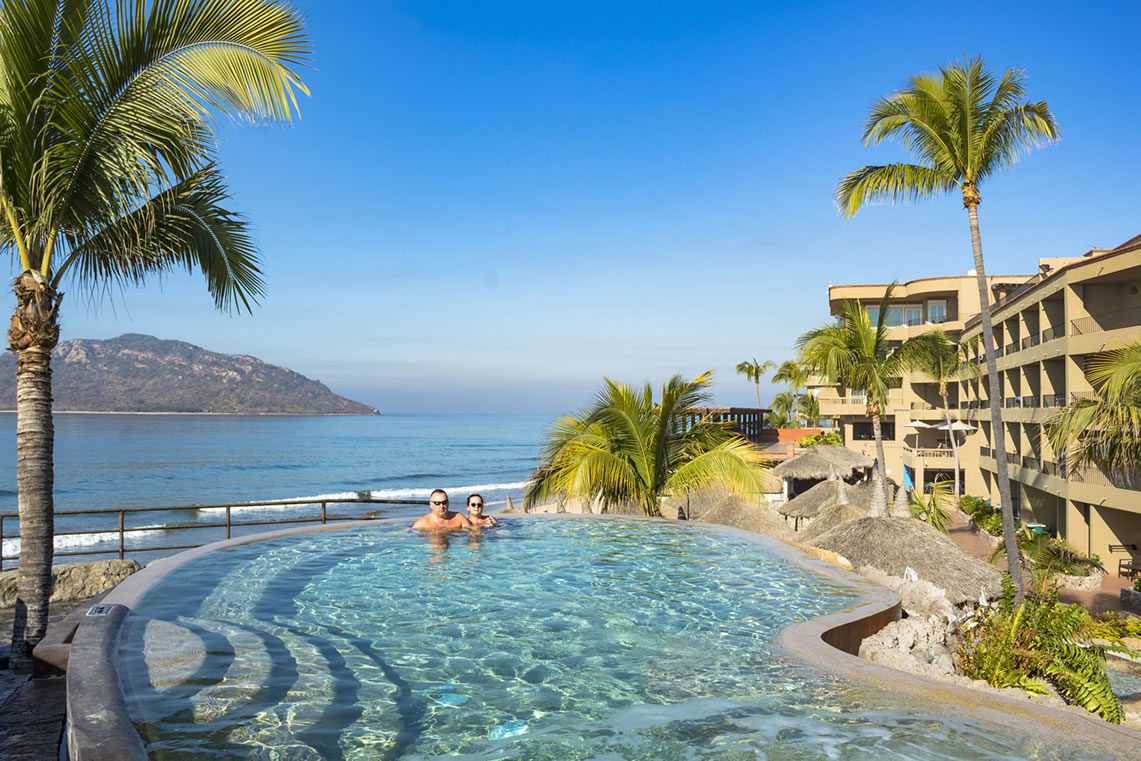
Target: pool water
545, 639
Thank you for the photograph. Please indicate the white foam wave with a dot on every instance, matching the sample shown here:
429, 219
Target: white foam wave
71, 541
416, 494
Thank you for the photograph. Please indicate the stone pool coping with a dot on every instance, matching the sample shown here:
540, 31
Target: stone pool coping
100, 729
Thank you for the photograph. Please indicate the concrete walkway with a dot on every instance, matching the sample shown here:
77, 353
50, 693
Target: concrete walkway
32, 711
977, 545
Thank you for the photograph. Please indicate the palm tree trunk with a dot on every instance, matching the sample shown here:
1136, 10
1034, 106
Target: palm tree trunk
879, 486
758, 393
954, 441
33, 335
994, 389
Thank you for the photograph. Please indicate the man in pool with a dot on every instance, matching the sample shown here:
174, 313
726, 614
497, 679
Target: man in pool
441, 518
475, 513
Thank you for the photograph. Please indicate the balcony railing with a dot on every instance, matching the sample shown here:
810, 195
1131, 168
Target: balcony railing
1012, 401
1031, 402
929, 453
1122, 318
1030, 341
1053, 400
1010, 348
1051, 333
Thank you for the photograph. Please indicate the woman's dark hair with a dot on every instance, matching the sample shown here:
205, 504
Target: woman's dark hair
469, 498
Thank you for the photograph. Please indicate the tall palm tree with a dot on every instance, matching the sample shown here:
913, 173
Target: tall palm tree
754, 371
628, 448
856, 353
962, 126
1106, 430
109, 174
944, 361
796, 375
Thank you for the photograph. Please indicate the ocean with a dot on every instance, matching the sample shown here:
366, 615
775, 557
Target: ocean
110, 461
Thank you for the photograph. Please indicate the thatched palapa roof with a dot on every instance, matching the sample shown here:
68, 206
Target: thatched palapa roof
821, 461
824, 494
895, 544
830, 517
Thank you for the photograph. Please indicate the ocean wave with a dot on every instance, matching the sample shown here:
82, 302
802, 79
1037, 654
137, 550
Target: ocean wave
71, 541
412, 494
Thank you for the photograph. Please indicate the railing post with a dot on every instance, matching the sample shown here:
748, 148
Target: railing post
227, 521
122, 525
324, 512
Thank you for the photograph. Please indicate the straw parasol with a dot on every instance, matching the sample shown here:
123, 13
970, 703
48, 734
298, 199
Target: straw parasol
813, 502
738, 513
820, 461
895, 544
851, 503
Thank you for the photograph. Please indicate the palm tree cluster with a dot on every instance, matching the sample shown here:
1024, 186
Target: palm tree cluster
1104, 430
630, 449
789, 409
963, 126
109, 175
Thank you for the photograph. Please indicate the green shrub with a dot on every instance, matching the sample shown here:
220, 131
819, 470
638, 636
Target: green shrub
932, 508
1137, 584
1035, 644
992, 523
1045, 556
824, 437
973, 506
1114, 626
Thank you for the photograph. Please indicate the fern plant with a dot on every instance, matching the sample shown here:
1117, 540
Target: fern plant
1046, 556
1039, 643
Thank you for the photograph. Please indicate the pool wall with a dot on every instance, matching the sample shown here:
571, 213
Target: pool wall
99, 727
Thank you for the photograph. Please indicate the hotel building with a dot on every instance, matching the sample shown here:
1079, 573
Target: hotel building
1047, 326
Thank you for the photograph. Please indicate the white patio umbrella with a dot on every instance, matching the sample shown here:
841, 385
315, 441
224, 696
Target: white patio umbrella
956, 425
918, 424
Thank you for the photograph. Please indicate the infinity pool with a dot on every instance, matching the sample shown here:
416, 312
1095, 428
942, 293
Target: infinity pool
546, 639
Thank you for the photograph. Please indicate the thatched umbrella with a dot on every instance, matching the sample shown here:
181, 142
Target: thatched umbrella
851, 503
820, 461
895, 544
823, 495
738, 513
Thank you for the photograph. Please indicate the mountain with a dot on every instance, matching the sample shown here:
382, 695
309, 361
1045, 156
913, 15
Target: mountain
137, 373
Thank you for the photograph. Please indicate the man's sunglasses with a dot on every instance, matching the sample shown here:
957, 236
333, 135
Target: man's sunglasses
439, 502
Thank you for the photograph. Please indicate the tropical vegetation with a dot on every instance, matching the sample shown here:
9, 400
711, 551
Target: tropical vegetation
1104, 430
1039, 643
944, 361
855, 352
963, 126
630, 448
932, 507
830, 438
754, 371
109, 175
783, 411
1045, 556
795, 374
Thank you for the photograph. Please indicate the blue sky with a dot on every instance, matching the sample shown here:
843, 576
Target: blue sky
488, 206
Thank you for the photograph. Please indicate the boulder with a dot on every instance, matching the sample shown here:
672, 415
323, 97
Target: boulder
919, 598
73, 581
916, 645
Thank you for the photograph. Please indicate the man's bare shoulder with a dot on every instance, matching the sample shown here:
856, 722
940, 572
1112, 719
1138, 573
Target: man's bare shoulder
424, 521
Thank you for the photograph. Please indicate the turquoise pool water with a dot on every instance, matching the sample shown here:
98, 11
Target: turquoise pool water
546, 639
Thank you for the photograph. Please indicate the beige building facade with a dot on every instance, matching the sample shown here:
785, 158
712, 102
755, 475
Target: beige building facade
1046, 328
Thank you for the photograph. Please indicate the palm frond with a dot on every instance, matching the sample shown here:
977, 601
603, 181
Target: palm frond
890, 183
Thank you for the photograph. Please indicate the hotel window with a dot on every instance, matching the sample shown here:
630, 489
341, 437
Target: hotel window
936, 311
913, 314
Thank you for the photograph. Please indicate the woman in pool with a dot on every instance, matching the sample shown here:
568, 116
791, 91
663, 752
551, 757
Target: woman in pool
475, 513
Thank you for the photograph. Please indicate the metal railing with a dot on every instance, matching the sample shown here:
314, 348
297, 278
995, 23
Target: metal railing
1031, 341
1055, 332
1010, 348
1096, 323
1053, 400
113, 533
928, 453
1031, 402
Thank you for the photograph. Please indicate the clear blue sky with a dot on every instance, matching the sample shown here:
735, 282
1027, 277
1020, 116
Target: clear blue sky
488, 206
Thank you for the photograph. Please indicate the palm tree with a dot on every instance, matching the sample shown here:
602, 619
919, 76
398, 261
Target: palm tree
795, 374
945, 361
109, 174
1106, 430
857, 354
809, 407
628, 448
754, 371
963, 126
785, 408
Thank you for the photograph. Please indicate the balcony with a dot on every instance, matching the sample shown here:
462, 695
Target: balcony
1030, 341
1122, 318
1053, 400
937, 458
1052, 333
